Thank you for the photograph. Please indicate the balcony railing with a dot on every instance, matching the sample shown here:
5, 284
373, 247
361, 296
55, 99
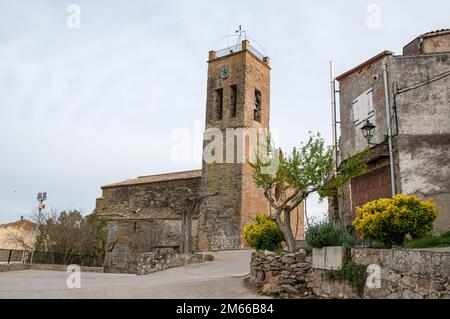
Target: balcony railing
238, 48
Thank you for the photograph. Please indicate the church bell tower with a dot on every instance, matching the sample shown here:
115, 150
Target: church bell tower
237, 106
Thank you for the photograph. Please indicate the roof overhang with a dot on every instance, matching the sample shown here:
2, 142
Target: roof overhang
365, 64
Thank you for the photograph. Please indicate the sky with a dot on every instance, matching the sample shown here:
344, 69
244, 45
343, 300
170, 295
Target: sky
91, 101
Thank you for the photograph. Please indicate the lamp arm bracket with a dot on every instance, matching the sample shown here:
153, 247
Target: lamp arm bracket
378, 144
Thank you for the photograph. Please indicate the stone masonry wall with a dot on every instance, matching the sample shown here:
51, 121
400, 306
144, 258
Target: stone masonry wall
404, 274
408, 274
165, 258
142, 217
13, 267
47, 267
286, 274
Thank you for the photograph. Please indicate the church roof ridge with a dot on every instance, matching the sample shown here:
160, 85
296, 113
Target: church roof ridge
157, 178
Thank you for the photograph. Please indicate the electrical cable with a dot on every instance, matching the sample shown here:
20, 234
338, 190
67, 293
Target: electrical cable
411, 88
423, 83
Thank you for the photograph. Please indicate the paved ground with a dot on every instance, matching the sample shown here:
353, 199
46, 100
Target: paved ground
221, 278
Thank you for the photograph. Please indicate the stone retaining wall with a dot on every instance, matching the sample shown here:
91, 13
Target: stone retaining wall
286, 274
19, 266
404, 274
407, 274
165, 258
13, 267
49, 267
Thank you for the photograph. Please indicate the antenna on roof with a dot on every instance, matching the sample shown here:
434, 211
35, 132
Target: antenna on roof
241, 32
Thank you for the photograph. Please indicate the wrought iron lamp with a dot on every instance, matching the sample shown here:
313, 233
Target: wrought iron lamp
368, 131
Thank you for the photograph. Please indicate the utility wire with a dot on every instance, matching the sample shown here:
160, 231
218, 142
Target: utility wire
423, 83
411, 88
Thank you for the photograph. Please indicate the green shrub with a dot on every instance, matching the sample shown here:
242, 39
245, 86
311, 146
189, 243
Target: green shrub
264, 235
327, 234
390, 220
430, 241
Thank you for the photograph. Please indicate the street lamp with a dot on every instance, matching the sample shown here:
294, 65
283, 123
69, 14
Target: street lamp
41, 198
368, 131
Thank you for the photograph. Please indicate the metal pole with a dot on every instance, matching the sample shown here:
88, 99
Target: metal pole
333, 115
389, 129
36, 233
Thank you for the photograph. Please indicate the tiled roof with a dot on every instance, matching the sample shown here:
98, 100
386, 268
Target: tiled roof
436, 32
365, 64
158, 178
21, 224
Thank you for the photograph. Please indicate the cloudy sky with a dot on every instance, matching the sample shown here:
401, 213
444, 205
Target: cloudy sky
83, 107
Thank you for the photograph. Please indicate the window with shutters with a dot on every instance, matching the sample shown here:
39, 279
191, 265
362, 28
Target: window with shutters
363, 107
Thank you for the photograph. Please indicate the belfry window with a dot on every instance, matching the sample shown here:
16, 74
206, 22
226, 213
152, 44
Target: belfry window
233, 101
218, 100
257, 106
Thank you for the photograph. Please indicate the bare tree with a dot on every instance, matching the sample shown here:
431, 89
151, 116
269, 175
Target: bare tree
23, 235
192, 202
20, 239
68, 235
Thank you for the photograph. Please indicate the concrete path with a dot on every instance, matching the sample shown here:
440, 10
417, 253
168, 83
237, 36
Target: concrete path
221, 278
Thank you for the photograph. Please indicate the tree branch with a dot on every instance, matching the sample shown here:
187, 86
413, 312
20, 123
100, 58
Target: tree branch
270, 199
286, 202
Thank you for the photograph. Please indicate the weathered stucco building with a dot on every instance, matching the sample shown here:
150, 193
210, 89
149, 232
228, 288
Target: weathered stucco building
147, 213
16, 240
419, 103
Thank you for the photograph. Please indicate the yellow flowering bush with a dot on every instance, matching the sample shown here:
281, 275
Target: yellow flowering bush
389, 220
264, 235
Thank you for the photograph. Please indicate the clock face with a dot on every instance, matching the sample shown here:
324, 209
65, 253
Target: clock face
224, 72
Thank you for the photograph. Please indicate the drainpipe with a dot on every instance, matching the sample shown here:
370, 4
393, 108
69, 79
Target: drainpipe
389, 128
333, 116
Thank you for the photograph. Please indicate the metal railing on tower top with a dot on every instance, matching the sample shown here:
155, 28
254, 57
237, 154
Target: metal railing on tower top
237, 48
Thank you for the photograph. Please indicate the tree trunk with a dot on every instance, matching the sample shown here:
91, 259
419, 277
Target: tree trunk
285, 228
186, 232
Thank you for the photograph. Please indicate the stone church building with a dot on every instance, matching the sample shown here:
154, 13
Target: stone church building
145, 213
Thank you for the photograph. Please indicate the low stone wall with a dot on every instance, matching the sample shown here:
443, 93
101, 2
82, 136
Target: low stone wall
287, 275
13, 267
49, 267
165, 258
407, 274
404, 274
19, 266
331, 289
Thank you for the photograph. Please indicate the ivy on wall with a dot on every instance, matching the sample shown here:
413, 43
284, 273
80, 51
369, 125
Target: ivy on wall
353, 274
